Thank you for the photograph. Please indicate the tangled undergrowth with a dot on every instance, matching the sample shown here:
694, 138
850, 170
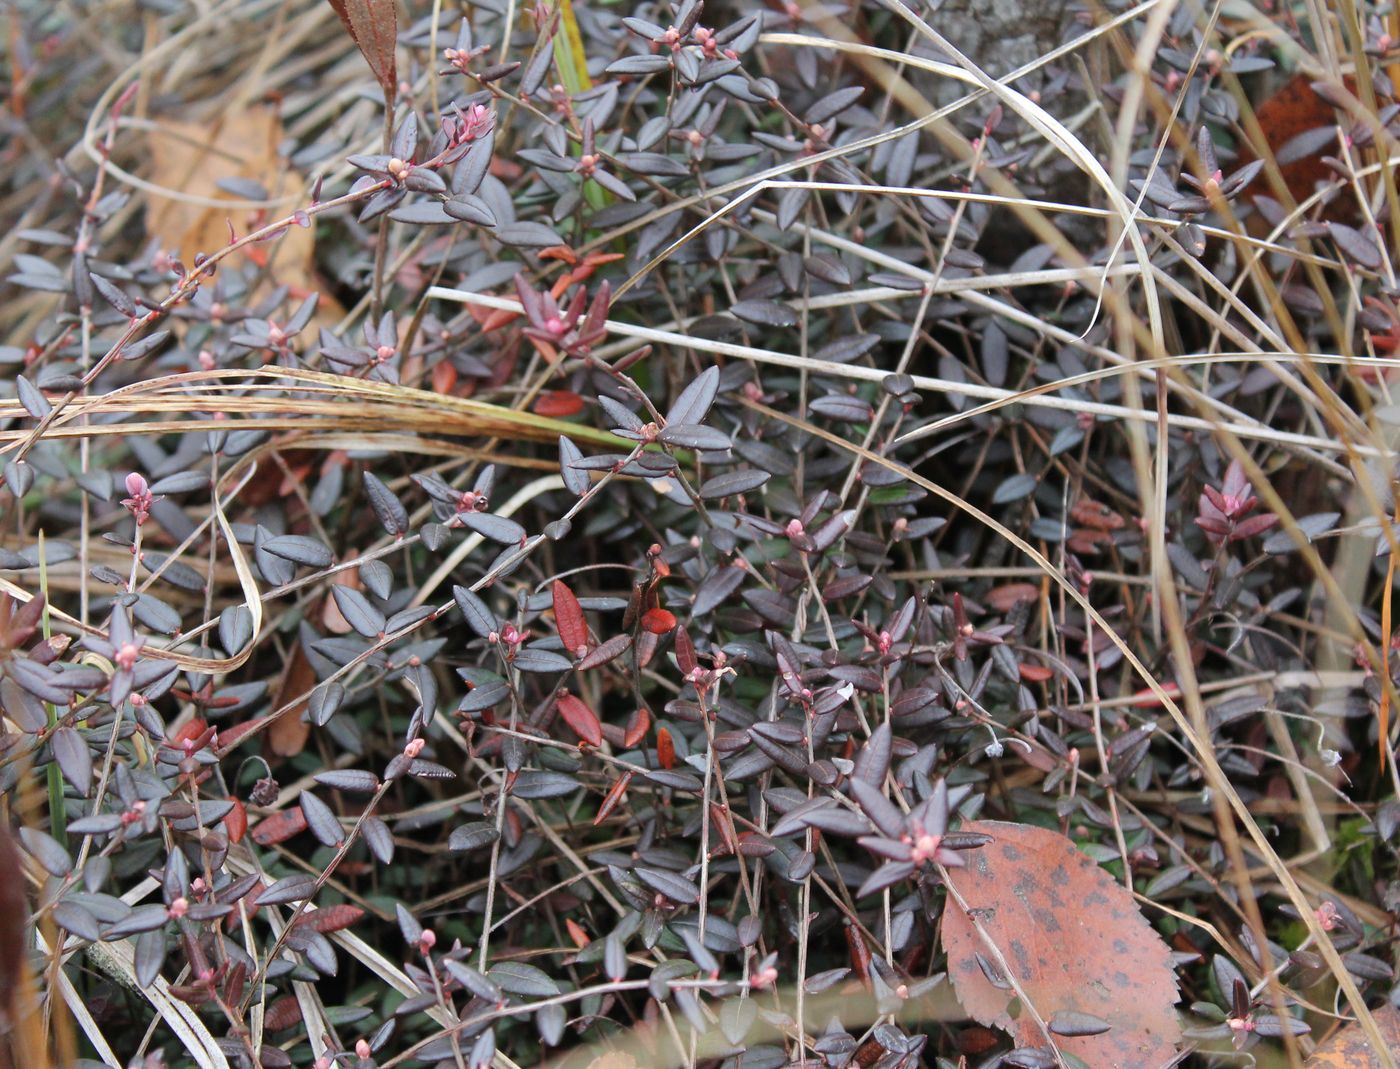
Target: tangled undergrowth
629, 535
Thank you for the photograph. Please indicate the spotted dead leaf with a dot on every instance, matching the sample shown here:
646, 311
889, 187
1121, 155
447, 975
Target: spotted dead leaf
1348, 1048
1074, 940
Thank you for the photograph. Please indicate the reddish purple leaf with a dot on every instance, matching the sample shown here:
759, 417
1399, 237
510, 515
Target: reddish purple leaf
374, 26
581, 719
568, 617
685, 652
611, 649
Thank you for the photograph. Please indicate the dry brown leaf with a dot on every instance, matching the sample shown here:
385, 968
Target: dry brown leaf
1348, 1048
14, 911
287, 736
282, 1013
333, 918
193, 157
1074, 940
613, 1059
332, 619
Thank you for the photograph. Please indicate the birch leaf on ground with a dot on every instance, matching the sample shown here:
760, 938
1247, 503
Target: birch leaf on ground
1075, 943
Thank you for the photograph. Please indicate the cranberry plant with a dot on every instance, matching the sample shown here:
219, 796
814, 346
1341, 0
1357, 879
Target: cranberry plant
614, 591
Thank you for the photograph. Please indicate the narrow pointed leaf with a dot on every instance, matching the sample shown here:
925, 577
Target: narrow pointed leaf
374, 27
693, 404
878, 808
582, 721
873, 761
386, 505
568, 617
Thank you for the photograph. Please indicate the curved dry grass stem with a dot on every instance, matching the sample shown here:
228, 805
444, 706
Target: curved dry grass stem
287, 398
997, 397
324, 411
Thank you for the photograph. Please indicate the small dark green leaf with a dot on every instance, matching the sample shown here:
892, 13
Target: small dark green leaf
473, 836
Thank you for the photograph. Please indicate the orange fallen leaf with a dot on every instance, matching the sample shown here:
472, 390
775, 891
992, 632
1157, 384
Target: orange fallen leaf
236, 821
333, 918
576, 933
562, 253
582, 720
637, 726
492, 318
646, 648
505, 169
658, 621
444, 377
1006, 597
976, 1040
1088, 541
1074, 941
189, 731
1348, 1048
247, 907
231, 736
1147, 698
615, 794
1295, 109
279, 827
558, 404
568, 617
1095, 514
868, 1053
